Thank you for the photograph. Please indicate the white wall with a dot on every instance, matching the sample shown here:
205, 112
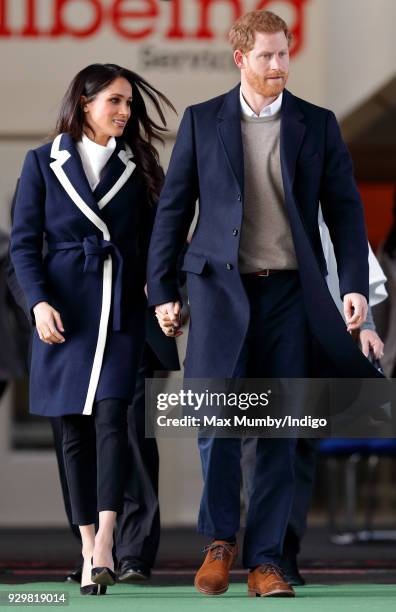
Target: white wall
360, 51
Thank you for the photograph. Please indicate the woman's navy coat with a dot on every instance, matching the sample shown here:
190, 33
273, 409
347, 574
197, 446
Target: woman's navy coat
93, 273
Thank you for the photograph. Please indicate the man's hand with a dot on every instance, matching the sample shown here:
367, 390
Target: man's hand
355, 310
370, 340
48, 323
169, 318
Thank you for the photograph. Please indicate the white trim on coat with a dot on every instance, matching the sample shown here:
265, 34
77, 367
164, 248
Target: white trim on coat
130, 166
61, 156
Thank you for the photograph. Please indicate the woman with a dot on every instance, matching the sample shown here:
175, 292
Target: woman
90, 194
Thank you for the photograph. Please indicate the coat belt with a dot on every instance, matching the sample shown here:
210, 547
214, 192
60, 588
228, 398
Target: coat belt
96, 250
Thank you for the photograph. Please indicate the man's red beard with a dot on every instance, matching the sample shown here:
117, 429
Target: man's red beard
265, 86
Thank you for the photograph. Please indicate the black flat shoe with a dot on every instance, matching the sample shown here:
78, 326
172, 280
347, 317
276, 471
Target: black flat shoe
130, 572
74, 576
93, 589
103, 576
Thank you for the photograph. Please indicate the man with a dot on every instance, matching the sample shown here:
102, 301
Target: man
259, 159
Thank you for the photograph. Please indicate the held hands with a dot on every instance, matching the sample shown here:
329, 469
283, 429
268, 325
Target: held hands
48, 323
355, 310
169, 318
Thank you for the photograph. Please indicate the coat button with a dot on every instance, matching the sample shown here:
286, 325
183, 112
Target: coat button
229, 266
235, 232
239, 197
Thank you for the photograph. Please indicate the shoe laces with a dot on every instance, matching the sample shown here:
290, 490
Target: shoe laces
269, 568
219, 551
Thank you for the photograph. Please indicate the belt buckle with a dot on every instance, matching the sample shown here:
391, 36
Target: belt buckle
265, 272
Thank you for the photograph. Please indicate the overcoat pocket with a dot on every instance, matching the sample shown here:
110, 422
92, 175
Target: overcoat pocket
193, 262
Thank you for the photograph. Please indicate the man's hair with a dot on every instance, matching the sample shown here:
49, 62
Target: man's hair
242, 33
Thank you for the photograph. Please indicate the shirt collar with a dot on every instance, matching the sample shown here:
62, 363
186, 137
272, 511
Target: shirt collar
267, 111
99, 149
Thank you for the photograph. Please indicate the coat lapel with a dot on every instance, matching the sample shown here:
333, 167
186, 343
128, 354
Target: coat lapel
74, 170
68, 169
229, 128
291, 138
115, 174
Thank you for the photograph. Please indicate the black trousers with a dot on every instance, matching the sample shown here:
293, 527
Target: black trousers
138, 527
95, 452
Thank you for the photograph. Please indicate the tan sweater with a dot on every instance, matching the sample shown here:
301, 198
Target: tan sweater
266, 240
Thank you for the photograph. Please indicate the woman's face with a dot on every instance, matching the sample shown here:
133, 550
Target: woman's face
108, 113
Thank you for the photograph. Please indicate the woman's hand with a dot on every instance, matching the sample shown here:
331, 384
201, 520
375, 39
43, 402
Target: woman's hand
48, 323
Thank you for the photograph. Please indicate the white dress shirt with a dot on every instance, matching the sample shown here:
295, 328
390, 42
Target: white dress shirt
94, 157
267, 111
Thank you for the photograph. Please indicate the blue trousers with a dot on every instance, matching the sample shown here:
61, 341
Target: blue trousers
276, 346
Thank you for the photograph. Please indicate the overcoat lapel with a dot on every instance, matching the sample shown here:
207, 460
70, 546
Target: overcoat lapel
115, 174
68, 169
291, 137
74, 170
70, 172
229, 128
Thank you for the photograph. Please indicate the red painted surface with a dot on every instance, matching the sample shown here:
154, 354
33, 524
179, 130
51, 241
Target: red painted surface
378, 201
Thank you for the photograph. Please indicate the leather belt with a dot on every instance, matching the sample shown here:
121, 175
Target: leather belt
266, 272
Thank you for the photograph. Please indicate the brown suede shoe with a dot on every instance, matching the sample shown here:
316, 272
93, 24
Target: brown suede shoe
212, 576
267, 581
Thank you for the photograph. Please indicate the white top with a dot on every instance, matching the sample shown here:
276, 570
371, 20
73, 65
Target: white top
94, 157
267, 111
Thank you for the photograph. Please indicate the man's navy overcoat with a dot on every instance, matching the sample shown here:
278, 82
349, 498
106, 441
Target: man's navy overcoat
93, 273
207, 165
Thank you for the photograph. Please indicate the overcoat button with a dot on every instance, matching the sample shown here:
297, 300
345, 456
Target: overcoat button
239, 197
229, 266
235, 232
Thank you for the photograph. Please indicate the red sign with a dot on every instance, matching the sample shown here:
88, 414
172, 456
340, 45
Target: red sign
136, 19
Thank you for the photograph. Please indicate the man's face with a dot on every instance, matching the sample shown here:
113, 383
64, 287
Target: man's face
266, 67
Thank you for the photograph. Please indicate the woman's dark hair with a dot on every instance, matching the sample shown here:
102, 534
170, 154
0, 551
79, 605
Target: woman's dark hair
140, 130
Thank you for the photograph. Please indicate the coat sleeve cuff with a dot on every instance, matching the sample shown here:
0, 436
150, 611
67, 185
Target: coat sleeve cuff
362, 290
34, 297
162, 296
